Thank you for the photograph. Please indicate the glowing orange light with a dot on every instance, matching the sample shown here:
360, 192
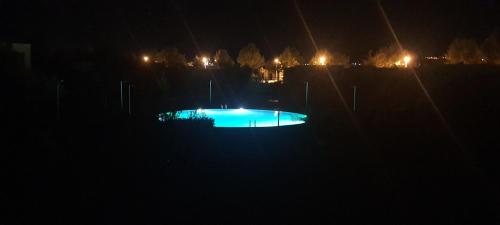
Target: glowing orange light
407, 60
322, 60
205, 61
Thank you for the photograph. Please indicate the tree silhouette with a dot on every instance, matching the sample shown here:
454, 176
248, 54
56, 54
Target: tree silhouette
250, 56
223, 59
290, 57
387, 57
491, 48
340, 59
464, 51
170, 57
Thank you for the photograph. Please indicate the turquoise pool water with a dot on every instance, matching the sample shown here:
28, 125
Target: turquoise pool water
243, 117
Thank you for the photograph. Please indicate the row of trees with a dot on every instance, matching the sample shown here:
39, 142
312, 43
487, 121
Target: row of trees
391, 56
460, 51
249, 56
468, 51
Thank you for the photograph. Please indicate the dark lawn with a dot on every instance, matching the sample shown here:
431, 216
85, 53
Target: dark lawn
399, 167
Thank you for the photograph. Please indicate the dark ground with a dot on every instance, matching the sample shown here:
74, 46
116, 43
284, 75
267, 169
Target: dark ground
399, 167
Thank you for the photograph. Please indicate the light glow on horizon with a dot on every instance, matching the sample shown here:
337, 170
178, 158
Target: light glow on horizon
407, 60
322, 60
205, 61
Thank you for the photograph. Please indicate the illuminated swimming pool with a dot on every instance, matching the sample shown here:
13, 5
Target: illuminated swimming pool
240, 117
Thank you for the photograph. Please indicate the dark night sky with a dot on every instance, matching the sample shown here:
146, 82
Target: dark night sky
352, 27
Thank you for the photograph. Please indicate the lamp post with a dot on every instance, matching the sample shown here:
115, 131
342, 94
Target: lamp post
307, 92
210, 92
278, 117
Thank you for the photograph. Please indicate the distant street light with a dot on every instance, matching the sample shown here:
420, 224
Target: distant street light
407, 60
205, 61
145, 58
322, 60
277, 62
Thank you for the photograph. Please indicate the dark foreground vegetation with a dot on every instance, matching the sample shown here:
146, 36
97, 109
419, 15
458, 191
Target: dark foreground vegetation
392, 161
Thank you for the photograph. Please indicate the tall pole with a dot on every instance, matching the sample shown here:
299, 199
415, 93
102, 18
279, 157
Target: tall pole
121, 94
210, 92
129, 100
278, 118
307, 91
354, 98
